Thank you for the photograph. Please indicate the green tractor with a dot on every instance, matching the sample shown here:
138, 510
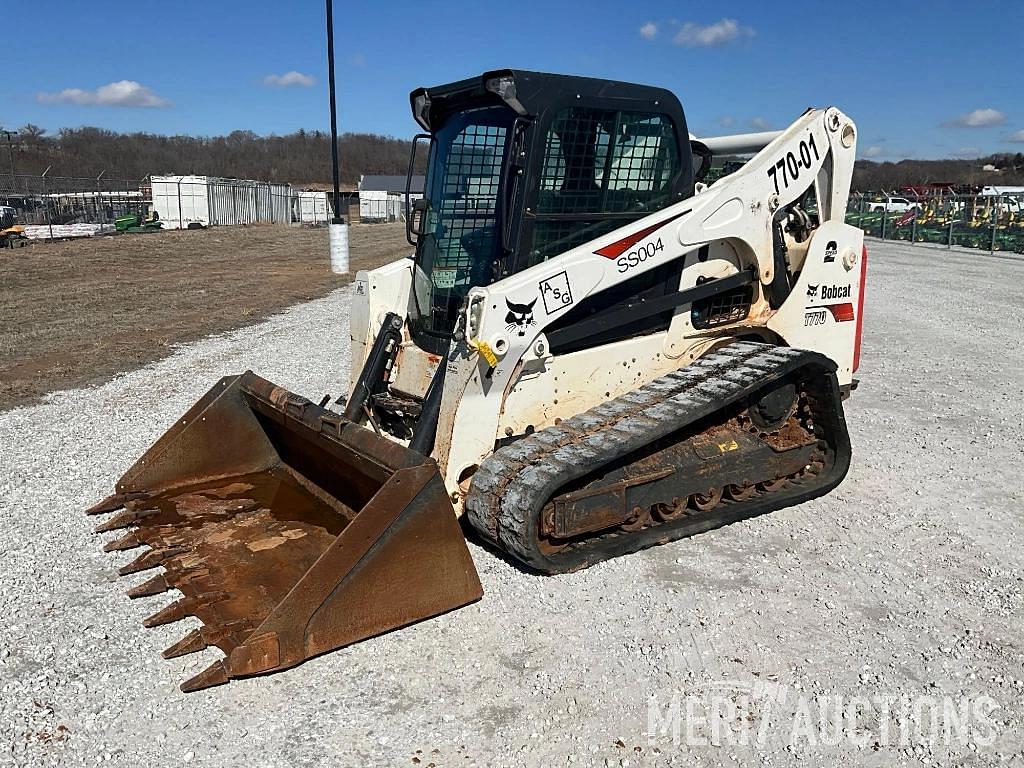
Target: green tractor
134, 222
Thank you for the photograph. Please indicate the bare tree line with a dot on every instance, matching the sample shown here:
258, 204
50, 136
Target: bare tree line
304, 157
869, 175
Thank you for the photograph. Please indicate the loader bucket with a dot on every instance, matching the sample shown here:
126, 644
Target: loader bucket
289, 531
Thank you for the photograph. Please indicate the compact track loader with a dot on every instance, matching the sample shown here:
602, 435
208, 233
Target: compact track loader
591, 351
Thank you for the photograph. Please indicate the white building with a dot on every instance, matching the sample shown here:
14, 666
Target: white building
382, 198
213, 201
312, 207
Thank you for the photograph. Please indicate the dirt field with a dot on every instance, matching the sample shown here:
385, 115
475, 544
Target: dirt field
78, 312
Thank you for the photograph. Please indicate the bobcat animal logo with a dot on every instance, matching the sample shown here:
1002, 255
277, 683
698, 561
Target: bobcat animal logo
812, 291
519, 317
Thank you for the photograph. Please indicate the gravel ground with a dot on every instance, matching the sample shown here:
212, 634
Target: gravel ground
905, 583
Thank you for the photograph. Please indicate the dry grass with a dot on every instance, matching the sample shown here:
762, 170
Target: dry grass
78, 312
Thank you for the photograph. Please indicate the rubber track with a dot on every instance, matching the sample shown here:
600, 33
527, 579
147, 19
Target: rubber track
513, 484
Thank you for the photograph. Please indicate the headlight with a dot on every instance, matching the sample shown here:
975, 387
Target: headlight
421, 109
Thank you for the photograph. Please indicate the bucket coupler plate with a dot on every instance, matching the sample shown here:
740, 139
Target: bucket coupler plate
288, 530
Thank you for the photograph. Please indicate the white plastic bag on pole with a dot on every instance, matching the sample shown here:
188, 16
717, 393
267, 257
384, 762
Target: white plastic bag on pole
339, 248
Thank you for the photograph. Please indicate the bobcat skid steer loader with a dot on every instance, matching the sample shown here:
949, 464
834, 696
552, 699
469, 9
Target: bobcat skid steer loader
591, 351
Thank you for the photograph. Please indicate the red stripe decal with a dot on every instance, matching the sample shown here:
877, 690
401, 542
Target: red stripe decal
860, 307
617, 248
843, 313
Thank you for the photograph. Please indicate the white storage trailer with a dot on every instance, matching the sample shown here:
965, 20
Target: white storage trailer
214, 201
382, 198
312, 207
377, 205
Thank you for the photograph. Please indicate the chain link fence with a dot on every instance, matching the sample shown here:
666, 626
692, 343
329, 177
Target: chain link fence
58, 200
65, 201
987, 222
181, 201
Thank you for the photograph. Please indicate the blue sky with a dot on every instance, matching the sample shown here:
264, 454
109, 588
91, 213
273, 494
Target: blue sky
921, 79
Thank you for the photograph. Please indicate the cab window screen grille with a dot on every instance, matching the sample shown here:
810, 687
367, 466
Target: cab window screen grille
459, 247
575, 158
469, 195
554, 237
599, 163
642, 161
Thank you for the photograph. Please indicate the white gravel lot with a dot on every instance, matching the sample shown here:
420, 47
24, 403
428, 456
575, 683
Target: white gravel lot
905, 583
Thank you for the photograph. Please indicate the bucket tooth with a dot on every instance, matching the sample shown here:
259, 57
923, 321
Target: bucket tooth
182, 608
205, 636
128, 541
124, 519
193, 642
176, 611
149, 559
154, 586
215, 674
113, 502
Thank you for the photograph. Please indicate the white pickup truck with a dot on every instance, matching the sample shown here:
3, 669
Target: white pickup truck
892, 205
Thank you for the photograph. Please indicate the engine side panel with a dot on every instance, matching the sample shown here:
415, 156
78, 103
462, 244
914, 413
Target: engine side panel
820, 313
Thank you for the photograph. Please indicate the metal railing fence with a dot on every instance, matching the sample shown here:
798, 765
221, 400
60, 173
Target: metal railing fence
65, 199
210, 201
988, 222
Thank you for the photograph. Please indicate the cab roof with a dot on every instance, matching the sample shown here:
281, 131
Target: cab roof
529, 94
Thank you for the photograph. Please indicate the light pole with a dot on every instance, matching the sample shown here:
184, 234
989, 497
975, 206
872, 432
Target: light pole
337, 229
10, 152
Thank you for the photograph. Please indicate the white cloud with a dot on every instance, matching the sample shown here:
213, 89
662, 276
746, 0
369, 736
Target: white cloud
881, 152
289, 80
968, 152
727, 121
722, 32
760, 124
1017, 137
123, 93
979, 118
649, 30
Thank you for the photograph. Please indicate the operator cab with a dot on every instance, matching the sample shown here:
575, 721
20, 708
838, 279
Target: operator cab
524, 166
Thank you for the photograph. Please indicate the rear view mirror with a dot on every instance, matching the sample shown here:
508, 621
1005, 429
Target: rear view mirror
700, 151
414, 229
416, 220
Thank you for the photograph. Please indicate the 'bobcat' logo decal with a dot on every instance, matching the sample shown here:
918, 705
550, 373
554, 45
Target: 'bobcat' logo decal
519, 317
812, 291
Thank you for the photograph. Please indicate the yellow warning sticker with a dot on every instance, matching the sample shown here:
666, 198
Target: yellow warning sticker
486, 353
732, 445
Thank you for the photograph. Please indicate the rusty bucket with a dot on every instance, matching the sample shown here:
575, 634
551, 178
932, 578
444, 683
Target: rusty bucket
289, 531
